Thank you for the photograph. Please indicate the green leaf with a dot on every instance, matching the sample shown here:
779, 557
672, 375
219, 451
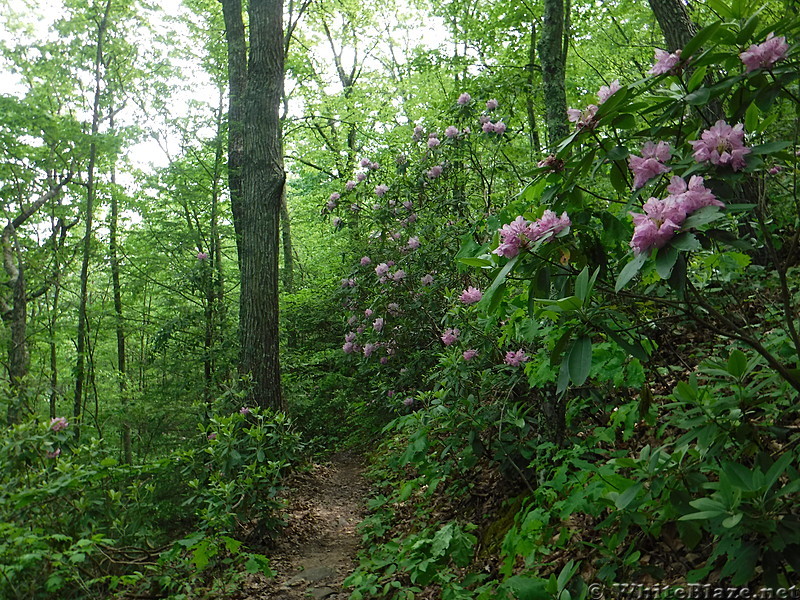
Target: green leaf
526, 588
665, 260
737, 364
580, 360
702, 515
77, 557
624, 121
707, 214
697, 97
626, 497
582, 284
686, 241
630, 270
697, 78
618, 152
476, 262
732, 521
769, 147
698, 40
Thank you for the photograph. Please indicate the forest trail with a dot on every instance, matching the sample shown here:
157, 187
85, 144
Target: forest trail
318, 547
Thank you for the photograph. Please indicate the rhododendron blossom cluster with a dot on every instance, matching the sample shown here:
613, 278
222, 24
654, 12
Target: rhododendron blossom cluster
650, 164
515, 359
471, 295
662, 218
665, 62
450, 336
766, 54
722, 145
518, 234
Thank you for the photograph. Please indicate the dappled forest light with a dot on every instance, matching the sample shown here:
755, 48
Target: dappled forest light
400, 300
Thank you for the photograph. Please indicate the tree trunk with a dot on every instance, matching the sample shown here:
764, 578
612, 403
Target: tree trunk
536, 145
91, 191
237, 85
553, 58
286, 239
674, 21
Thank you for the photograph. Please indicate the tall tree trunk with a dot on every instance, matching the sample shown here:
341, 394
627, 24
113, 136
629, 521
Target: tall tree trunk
263, 179
91, 192
553, 57
674, 21
536, 145
119, 323
237, 86
256, 87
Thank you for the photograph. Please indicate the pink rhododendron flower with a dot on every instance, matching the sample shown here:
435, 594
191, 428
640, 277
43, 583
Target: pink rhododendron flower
408, 401
605, 92
384, 360
412, 218
361, 176
54, 454
212, 436
334, 196
775, 170
451, 132
330, 205
413, 243
426, 279
398, 275
374, 166
548, 226
435, 171
665, 62
418, 133
551, 162
336, 222
693, 195
365, 162
58, 424
350, 185
450, 336
393, 308
382, 269
491, 104
514, 237
368, 312
202, 256
244, 411
470, 354
515, 359
433, 142
464, 99
369, 349
488, 127
360, 329
722, 145
583, 118
391, 263
365, 260
350, 336
381, 190
471, 295
650, 164
766, 54
377, 324
499, 128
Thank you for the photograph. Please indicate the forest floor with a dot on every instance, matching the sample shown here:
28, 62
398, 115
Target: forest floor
317, 549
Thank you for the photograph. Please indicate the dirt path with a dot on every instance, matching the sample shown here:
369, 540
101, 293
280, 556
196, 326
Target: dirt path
318, 548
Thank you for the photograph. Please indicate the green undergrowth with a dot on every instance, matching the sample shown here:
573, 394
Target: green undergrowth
699, 485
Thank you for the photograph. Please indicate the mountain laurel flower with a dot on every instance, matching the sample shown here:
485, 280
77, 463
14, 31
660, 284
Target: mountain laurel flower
665, 62
450, 336
492, 104
515, 359
471, 295
413, 243
381, 269
464, 99
365, 260
650, 164
381, 189
377, 324
451, 132
433, 142
435, 171
470, 354
426, 279
58, 424
766, 54
350, 185
606, 91
722, 145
